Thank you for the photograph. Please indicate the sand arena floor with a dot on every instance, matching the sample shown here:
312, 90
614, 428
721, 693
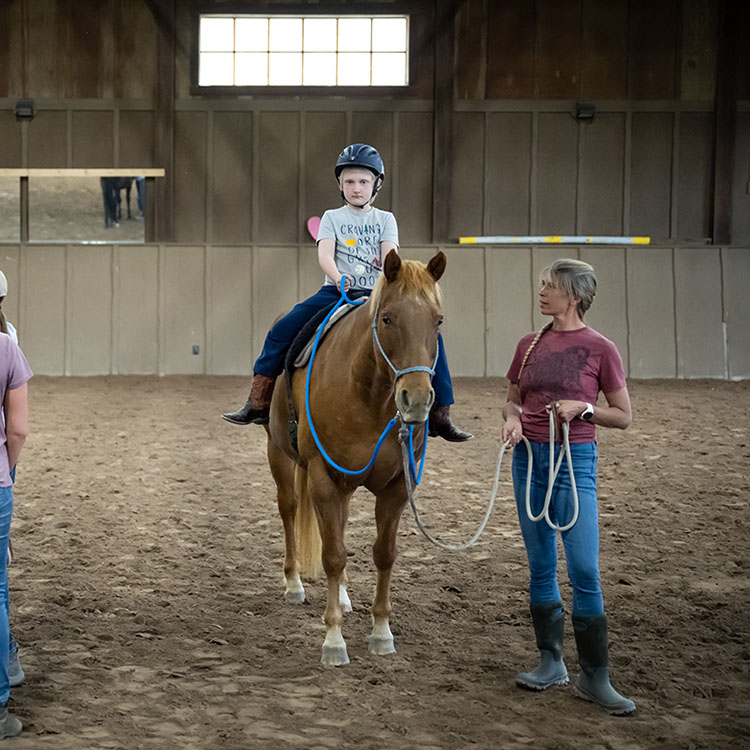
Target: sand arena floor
146, 590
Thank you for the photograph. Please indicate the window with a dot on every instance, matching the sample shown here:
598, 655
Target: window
254, 50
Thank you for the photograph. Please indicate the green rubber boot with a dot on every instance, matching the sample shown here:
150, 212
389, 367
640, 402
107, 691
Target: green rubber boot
10, 726
549, 626
593, 681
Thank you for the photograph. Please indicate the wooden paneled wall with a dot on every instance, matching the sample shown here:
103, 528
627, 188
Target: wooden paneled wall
630, 171
587, 49
251, 170
257, 176
92, 310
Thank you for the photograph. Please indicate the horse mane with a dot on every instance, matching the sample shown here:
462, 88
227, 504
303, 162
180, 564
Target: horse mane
413, 278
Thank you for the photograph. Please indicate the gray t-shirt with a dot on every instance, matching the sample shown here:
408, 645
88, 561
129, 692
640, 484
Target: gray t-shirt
358, 236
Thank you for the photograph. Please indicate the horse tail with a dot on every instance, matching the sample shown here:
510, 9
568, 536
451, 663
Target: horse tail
306, 533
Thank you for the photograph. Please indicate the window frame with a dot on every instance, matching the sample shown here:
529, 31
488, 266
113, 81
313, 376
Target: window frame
408, 8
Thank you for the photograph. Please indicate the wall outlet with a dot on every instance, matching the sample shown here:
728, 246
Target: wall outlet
196, 349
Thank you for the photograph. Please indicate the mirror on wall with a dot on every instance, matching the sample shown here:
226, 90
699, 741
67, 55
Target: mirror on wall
86, 209
10, 209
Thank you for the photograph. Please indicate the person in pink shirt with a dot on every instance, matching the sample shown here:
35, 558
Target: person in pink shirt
561, 370
14, 376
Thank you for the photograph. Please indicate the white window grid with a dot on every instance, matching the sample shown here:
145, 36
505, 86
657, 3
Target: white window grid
285, 50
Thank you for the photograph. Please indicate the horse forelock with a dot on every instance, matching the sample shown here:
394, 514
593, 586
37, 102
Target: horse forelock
413, 279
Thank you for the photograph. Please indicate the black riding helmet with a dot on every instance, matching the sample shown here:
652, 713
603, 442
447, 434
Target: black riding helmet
362, 155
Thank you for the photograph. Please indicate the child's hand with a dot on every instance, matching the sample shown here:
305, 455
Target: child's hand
347, 283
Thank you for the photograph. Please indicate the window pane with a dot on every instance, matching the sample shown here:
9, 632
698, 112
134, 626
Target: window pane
320, 35
285, 69
389, 69
251, 69
354, 69
354, 34
319, 69
217, 34
389, 34
10, 209
72, 209
251, 35
285, 35
216, 69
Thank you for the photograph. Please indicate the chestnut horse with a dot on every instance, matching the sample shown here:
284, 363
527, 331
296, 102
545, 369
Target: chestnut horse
354, 391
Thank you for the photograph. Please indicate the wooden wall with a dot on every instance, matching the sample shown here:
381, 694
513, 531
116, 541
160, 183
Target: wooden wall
124, 309
253, 169
249, 170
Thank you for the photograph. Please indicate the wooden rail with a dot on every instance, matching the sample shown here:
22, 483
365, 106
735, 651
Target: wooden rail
150, 173
63, 172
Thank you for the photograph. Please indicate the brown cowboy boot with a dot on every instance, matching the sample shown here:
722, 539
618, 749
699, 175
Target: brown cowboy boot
440, 425
258, 405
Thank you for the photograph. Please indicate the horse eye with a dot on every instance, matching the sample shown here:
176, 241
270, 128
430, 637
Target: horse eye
386, 320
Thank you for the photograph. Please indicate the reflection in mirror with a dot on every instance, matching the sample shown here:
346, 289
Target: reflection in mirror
10, 209
86, 209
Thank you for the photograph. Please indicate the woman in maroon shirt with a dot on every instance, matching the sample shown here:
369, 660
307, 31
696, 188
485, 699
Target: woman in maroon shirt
561, 370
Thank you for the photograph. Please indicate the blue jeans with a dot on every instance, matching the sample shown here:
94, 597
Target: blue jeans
278, 340
6, 511
581, 542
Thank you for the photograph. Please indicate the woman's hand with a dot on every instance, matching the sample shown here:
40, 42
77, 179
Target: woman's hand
512, 430
566, 411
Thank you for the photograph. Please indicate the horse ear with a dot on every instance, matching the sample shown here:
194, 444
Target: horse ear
437, 265
392, 265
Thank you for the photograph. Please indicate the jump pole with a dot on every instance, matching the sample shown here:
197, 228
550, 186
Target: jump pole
553, 240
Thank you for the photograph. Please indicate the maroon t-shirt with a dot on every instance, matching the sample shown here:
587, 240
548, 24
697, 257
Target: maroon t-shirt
573, 365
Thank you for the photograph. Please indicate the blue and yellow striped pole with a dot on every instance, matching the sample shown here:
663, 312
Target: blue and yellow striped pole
553, 240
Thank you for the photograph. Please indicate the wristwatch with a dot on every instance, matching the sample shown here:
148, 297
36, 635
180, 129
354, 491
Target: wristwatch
588, 412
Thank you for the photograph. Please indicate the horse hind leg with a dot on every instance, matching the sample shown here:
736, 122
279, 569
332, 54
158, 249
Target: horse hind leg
283, 471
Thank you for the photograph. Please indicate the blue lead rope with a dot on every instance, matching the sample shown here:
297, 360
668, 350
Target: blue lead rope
345, 298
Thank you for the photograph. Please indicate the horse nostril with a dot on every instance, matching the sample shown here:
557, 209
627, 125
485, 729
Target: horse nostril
405, 397
432, 398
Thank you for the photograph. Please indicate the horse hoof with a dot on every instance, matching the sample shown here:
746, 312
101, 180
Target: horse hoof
380, 646
294, 596
334, 656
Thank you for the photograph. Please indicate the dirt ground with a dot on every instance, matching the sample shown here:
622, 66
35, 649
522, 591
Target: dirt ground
147, 595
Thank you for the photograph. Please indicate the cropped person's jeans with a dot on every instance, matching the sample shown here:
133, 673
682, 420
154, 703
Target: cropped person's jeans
278, 340
6, 511
581, 542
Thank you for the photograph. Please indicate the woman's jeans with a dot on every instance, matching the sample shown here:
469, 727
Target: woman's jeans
278, 340
581, 542
6, 511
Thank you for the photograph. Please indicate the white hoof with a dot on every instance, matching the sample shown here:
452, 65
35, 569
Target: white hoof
294, 596
334, 656
380, 646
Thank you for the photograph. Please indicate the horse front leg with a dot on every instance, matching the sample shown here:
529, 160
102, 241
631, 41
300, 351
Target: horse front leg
388, 508
332, 507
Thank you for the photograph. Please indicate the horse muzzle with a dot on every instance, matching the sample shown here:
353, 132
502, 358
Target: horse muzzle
414, 397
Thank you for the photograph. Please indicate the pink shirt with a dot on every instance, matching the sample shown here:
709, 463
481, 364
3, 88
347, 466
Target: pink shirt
573, 365
14, 372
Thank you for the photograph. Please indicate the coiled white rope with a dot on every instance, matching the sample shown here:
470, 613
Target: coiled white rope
554, 470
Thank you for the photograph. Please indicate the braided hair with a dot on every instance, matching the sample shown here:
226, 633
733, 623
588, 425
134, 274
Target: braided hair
539, 335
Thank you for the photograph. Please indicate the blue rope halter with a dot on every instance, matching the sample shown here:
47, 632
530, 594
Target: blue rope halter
398, 373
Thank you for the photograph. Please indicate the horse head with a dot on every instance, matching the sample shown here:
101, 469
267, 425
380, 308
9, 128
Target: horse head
406, 309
